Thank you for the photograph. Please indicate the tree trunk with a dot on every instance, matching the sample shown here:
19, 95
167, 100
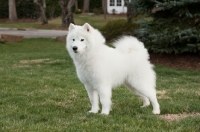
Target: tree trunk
12, 10
104, 6
76, 5
130, 12
52, 10
42, 9
86, 6
67, 14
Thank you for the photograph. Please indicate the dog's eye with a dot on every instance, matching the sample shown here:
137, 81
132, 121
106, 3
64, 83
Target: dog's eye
82, 39
73, 39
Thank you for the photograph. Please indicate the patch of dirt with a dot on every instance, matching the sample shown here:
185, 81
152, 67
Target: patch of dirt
33, 61
161, 94
21, 66
28, 63
180, 90
185, 61
175, 117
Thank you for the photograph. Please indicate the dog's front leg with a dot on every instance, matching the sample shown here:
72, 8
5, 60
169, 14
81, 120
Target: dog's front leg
94, 99
105, 98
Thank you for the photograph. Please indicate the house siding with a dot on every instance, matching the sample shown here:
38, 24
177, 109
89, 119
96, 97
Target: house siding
116, 9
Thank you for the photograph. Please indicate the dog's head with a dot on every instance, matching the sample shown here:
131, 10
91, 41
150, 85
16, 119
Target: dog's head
82, 38
77, 40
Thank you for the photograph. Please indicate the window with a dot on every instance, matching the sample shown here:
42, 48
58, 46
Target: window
112, 2
119, 2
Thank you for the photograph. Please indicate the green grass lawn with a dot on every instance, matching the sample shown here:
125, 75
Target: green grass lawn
39, 91
96, 21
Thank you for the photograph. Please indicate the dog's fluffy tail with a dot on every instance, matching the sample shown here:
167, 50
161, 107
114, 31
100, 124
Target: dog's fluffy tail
129, 43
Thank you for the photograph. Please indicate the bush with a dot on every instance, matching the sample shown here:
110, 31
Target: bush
4, 9
27, 9
53, 9
116, 28
171, 40
175, 25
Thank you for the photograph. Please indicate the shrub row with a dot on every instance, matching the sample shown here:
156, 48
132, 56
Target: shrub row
25, 9
116, 28
168, 39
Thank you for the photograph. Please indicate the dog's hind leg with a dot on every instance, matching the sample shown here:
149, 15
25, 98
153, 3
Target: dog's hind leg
94, 99
147, 93
150, 93
146, 101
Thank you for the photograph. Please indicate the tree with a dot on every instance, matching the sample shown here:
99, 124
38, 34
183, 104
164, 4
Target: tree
86, 6
130, 11
76, 5
174, 28
67, 14
104, 6
12, 10
42, 9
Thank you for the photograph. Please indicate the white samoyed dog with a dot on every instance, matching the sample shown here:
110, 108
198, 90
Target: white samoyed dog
100, 68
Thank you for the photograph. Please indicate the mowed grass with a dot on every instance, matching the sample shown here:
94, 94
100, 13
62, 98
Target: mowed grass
39, 91
97, 21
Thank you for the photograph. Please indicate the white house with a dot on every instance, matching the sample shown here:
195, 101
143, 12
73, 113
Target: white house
116, 6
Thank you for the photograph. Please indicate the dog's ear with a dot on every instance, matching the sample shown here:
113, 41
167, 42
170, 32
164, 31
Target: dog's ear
87, 27
71, 27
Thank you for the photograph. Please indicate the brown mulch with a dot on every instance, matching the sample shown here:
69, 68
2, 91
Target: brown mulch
19, 20
61, 28
185, 61
46, 26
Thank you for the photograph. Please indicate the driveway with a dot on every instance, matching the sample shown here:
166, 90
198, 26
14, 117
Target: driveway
33, 33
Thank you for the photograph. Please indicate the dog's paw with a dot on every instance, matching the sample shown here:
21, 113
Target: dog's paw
156, 112
145, 105
93, 111
105, 112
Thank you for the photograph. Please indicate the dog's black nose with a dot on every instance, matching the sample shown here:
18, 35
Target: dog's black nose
75, 48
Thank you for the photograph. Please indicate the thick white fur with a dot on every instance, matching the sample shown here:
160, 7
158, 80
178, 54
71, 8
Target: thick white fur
100, 68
